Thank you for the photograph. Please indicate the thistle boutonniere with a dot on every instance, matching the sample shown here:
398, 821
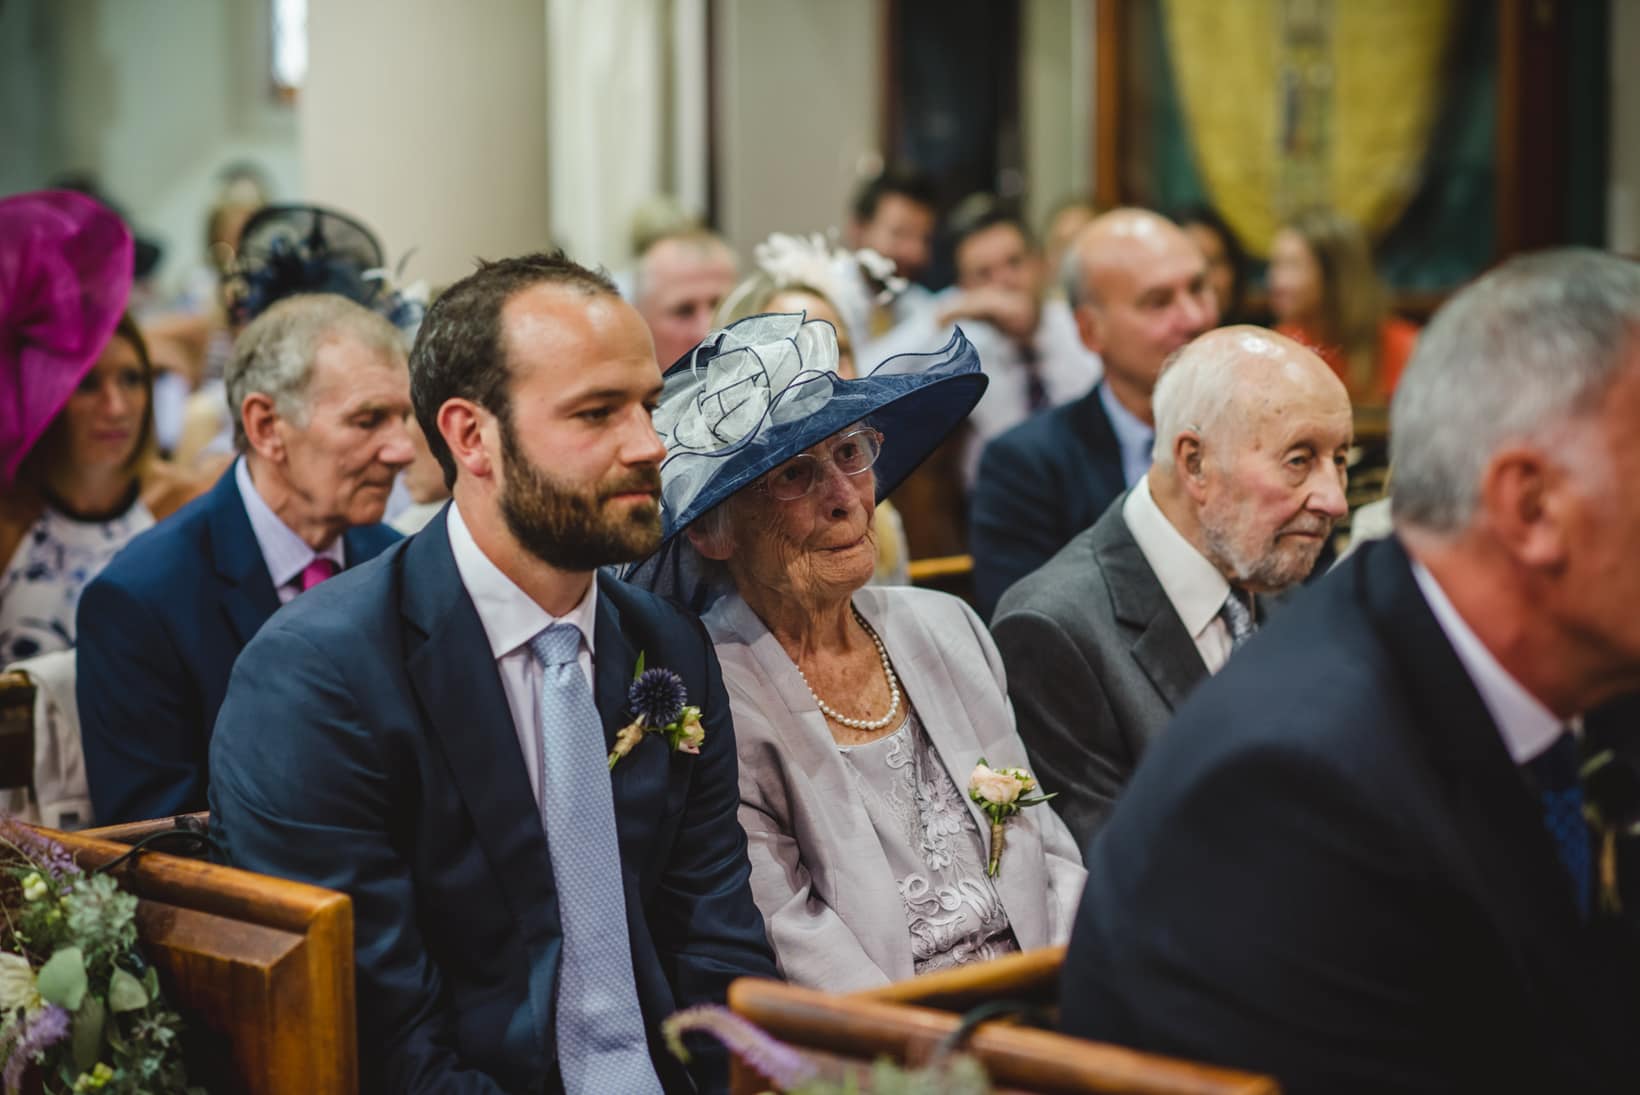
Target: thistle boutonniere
659, 705
1002, 793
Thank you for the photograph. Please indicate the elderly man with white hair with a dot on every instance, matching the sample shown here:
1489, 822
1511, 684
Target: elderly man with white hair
1358, 858
1107, 639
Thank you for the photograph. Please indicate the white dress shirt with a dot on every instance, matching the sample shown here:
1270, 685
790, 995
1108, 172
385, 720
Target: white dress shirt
285, 553
1528, 728
1193, 585
511, 618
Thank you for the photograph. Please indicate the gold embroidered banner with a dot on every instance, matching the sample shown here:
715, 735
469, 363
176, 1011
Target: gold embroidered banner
1292, 103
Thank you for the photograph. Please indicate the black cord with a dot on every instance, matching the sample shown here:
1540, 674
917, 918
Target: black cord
975, 1017
191, 837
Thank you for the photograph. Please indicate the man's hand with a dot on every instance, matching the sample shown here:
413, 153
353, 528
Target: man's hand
1013, 313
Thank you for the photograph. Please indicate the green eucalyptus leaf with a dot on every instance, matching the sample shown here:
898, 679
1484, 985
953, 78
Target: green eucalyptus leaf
125, 993
62, 979
638, 672
88, 1033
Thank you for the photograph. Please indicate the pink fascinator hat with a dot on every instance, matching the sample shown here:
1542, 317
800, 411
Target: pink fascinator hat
65, 275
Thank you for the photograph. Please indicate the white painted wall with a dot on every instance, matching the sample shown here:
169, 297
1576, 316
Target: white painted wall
1056, 101
1623, 177
427, 120
797, 95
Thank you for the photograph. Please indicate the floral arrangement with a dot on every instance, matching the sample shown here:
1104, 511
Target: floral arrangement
660, 704
1001, 793
795, 1074
78, 1005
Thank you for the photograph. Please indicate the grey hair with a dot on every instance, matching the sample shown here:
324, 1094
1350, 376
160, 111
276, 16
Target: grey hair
274, 355
699, 243
1512, 357
1196, 390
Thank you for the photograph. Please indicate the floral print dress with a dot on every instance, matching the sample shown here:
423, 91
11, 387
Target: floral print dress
934, 847
41, 585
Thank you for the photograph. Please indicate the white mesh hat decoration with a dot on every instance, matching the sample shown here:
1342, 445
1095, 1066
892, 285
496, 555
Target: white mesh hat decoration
756, 393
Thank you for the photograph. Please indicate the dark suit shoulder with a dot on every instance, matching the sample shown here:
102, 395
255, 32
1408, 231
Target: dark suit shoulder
336, 615
1063, 584
174, 550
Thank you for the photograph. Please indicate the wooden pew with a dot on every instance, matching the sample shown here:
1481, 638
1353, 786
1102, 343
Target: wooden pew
16, 731
906, 1022
265, 964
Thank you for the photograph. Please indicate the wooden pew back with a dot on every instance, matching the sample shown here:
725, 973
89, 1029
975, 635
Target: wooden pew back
265, 964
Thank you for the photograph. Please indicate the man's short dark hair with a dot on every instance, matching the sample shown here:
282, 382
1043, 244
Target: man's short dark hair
911, 185
977, 212
460, 352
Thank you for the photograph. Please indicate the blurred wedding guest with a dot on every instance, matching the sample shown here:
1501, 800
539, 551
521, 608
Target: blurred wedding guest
1226, 259
78, 476
1358, 858
320, 391
423, 481
893, 214
1106, 640
805, 276
861, 712
678, 284
1140, 291
1065, 222
526, 911
1325, 293
1029, 346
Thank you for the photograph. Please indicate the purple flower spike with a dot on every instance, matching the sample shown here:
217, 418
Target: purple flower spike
779, 1063
657, 696
44, 1029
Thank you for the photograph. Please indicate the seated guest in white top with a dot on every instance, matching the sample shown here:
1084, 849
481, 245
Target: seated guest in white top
1104, 642
321, 391
78, 477
893, 214
1029, 347
860, 713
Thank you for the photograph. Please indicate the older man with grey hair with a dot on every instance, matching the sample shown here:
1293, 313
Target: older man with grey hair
1358, 859
320, 392
1104, 641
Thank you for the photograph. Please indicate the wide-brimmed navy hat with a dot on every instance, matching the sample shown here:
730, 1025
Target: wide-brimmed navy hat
755, 394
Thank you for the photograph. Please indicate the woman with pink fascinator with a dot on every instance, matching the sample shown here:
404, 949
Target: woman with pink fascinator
77, 474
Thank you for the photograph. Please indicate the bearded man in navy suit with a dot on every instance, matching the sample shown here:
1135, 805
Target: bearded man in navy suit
526, 911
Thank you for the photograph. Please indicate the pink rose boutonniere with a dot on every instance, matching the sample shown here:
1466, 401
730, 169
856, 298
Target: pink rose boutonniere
1001, 793
660, 705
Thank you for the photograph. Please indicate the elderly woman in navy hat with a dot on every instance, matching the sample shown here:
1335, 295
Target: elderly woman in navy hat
882, 782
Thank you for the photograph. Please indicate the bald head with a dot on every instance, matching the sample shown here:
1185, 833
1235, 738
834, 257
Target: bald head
1252, 434
1139, 285
677, 287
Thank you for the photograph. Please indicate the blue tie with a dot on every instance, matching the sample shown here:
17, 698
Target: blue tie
601, 1041
1560, 791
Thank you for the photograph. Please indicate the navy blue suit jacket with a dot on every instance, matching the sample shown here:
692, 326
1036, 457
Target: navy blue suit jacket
366, 745
1039, 485
1329, 868
159, 630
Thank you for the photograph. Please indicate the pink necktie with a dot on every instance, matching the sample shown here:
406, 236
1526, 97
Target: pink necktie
318, 570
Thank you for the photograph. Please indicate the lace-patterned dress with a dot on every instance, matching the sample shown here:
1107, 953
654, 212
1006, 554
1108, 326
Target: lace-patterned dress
934, 847
41, 584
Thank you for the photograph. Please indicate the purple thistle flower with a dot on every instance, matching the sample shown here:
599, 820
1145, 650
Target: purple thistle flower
779, 1063
44, 853
657, 697
44, 1029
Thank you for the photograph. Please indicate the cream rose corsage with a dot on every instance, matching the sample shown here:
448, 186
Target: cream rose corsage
1001, 793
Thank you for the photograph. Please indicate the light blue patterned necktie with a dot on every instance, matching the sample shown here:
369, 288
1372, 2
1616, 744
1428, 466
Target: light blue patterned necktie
1238, 618
601, 1042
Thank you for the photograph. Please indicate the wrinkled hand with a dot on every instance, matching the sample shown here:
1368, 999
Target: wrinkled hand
1012, 312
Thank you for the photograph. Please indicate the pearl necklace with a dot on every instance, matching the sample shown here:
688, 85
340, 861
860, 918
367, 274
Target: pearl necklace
893, 689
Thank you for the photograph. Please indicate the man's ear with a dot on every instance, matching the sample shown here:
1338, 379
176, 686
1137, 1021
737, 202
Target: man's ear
1528, 502
466, 427
1189, 459
260, 420
1090, 324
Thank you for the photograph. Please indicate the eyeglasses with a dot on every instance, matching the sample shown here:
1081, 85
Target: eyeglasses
851, 454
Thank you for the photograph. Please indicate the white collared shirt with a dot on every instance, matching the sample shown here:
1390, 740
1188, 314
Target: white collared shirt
285, 553
1528, 728
511, 618
1134, 440
1193, 585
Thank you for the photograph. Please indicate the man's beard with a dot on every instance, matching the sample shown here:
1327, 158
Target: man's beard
566, 526
1278, 567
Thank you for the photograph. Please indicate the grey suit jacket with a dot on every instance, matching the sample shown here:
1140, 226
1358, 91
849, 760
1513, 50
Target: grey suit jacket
831, 903
1098, 660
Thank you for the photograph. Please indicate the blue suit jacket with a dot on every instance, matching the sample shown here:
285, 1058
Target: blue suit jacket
395, 775
1039, 485
159, 630
1329, 868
